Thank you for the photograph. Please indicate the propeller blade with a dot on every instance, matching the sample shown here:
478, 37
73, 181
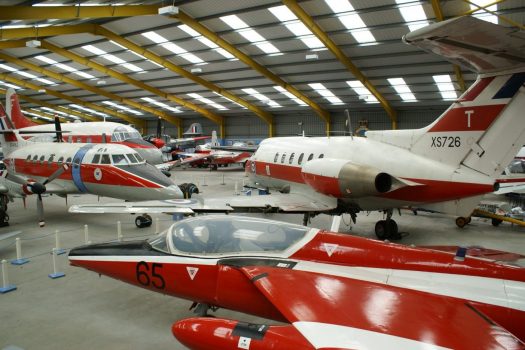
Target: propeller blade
58, 129
40, 210
159, 128
56, 174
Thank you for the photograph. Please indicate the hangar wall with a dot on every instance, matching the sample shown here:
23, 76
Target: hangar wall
286, 124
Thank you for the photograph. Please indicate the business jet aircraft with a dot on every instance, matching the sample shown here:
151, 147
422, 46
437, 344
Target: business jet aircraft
332, 291
110, 170
447, 166
86, 132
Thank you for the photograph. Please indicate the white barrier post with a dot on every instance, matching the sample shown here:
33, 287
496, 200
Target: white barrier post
19, 260
6, 287
86, 234
55, 273
236, 190
204, 181
223, 183
119, 231
57, 243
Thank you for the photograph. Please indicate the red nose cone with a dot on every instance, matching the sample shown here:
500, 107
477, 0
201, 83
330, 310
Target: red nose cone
158, 143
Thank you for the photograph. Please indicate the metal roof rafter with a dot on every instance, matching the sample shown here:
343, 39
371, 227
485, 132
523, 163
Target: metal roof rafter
327, 41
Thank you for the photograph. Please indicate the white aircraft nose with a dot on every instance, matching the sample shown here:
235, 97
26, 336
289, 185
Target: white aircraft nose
175, 191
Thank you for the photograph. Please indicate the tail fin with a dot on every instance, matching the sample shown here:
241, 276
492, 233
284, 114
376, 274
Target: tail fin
214, 140
9, 138
195, 129
483, 129
14, 111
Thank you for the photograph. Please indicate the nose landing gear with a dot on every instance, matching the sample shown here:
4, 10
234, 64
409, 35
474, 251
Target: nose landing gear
387, 229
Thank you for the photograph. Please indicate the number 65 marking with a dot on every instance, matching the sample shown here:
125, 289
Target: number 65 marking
143, 276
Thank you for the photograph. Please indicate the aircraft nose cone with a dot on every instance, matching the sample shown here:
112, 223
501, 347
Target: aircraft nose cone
175, 191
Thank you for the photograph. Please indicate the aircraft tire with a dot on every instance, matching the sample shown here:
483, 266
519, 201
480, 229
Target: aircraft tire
381, 230
393, 230
143, 221
461, 222
496, 222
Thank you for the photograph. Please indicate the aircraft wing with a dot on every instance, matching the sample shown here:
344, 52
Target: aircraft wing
334, 312
289, 202
247, 148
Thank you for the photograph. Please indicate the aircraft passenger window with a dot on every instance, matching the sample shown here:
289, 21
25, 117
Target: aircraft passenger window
35, 158
60, 160
68, 160
28, 157
50, 160
311, 156
276, 157
119, 159
291, 158
96, 159
300, 160
42, 159
321, 156
132, 158
139, 158
282, 158
105, 159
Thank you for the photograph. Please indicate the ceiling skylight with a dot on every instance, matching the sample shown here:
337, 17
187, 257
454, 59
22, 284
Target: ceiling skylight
89, 110
124, 108
261, 97
37, 116
16, 87
64, 67
26, 74
112, 58
161, 104
402, 89
362, 92
207, 101
176, 49
351, 21
249, 34
289, 95
482, 14
297, 27
413, 14
232, 101
445, 86
327, 94
206, 41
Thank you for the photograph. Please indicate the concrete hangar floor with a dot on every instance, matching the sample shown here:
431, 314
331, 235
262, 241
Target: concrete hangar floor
84, 311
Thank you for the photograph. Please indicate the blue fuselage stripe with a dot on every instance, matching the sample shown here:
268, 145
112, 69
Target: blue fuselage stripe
511, 86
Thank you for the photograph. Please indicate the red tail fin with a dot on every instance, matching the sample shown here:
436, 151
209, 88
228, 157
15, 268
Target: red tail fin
15, 112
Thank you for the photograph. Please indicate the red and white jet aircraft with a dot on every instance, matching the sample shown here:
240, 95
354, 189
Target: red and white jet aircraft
110, 170
333, 291
85, 132
447, 166
207, 156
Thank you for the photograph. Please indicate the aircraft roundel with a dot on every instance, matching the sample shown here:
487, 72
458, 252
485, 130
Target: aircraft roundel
98, 174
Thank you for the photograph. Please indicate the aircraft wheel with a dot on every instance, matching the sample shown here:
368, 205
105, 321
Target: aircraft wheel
143, 221
4, 218
461, 222
393, 231
496, 222
382, 230
469, 219
191, 188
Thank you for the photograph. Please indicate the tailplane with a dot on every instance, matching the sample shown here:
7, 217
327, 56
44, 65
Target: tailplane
484, 128
195, 129
9, 138
14, 112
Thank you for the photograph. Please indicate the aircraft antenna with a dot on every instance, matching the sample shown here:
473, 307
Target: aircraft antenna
349, 123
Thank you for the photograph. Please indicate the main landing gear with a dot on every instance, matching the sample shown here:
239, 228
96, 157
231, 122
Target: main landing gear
4, 218
143, 221
387, 229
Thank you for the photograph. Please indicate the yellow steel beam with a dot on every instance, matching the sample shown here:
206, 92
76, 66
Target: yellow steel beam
188, 20
93, 89
330, 44
503, 18
125, 78
8, 13
42, 114
267, 117
436, 6
12, 44
482, 7
75, 100
42, 32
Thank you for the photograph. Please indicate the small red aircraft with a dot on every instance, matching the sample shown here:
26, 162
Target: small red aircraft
334, 291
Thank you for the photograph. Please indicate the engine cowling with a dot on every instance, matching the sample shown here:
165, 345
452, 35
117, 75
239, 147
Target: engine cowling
342, 179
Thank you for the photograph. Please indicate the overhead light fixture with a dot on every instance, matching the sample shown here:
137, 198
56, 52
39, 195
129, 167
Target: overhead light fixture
101, 82
33, 43
41, 90
196, 70
168, 10
312, 56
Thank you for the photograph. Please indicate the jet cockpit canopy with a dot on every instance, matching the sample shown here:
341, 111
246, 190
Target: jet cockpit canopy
227, 234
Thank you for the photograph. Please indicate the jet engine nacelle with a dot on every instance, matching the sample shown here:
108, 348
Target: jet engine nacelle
342, 178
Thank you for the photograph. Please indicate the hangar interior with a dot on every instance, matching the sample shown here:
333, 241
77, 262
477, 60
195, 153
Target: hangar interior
249, 70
